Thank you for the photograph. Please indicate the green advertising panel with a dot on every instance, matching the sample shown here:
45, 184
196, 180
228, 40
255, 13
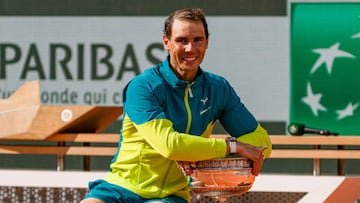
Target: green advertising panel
325, 66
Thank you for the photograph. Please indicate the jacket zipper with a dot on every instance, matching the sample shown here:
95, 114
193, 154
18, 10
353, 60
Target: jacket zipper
188, 93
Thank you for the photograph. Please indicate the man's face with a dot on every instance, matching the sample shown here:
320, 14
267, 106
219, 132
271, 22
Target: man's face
187, 47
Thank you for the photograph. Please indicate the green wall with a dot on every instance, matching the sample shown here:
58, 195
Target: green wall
139, 7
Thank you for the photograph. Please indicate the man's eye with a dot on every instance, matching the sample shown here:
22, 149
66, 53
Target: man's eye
199, 39
183, 41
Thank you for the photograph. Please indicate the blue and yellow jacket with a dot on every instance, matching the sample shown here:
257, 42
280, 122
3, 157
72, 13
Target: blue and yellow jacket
166, 119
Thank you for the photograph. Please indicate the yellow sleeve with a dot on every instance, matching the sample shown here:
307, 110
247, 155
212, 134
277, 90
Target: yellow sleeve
259, 137
162, 137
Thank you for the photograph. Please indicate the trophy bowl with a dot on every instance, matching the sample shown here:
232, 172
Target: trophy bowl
223, 177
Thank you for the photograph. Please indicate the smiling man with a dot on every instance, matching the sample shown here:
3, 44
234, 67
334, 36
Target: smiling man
169, 113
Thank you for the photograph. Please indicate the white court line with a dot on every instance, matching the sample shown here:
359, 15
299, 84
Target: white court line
318, 188
40, 178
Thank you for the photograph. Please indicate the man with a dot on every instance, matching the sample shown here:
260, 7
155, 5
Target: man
169, 113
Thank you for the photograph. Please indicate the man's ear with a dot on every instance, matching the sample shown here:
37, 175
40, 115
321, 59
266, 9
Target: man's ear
166, 42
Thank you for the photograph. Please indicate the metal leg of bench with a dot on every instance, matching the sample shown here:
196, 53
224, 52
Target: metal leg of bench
87, 159
316, 163
341, 168
316, 168
60, 158
60, 162
341, 163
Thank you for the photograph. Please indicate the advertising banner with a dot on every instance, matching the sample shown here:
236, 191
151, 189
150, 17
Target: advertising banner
325, 66
78, 60
88, 60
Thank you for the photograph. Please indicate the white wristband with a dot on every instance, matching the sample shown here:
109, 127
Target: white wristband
232, 144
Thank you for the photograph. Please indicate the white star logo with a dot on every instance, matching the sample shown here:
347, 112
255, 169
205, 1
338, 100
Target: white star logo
327, 55
348, 111
357, 35
313, 100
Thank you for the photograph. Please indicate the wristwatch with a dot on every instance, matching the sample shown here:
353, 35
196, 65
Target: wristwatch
232, 144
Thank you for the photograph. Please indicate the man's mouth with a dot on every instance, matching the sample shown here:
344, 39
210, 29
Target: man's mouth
189, 59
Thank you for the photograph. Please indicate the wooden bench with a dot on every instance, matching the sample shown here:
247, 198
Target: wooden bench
317, 151
97, 144
63, 145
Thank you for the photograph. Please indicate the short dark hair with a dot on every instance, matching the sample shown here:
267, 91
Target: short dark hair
190, 14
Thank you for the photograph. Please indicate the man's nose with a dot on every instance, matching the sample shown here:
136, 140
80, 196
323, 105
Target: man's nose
189, 46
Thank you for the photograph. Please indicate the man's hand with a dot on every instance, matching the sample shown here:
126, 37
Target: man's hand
253, 153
